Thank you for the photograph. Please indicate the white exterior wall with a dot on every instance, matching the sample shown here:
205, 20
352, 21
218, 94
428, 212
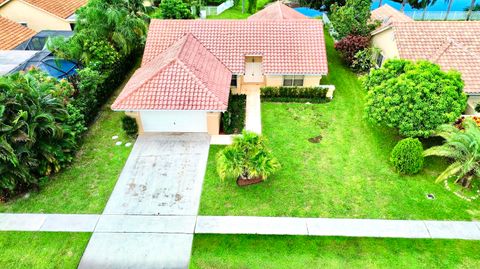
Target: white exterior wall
174, 121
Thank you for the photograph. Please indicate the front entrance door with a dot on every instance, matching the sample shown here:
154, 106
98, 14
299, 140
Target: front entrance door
253, 69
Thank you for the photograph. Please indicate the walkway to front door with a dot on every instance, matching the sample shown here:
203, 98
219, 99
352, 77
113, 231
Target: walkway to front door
163, 177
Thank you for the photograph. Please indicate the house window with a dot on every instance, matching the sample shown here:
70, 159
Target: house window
379, 61
233, 82
24, 24
293, 80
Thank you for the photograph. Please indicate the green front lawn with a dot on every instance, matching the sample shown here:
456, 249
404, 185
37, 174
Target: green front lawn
346, 175
41, 250
85, 186
263, 252
235, 12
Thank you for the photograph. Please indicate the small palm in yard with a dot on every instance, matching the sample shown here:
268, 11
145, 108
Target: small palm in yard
248, 159
463, 147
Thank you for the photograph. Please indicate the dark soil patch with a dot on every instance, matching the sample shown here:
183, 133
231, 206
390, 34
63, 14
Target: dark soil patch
249, 181
315, 139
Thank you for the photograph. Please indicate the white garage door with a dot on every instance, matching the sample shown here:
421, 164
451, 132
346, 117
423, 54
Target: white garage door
174, 121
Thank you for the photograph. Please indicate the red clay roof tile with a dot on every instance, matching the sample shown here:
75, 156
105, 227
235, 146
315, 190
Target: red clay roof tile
13, 34
277, 11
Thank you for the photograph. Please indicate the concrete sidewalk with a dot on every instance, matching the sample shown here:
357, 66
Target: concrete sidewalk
468, 230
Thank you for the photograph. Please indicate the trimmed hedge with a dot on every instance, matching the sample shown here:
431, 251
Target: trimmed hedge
407, 156
233, 120
294, 94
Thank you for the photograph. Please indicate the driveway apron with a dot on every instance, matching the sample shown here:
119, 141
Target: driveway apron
155, 202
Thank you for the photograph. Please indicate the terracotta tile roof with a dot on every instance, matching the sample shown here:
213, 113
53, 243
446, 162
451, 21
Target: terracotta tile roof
387, 15
286, 47
453, 45
186, 76
13, 34
61, 8
277, 11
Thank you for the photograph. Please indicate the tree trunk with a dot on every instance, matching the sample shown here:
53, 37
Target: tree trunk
404, 2
243, 6
380, 3
450, 2
424, 12
472, 5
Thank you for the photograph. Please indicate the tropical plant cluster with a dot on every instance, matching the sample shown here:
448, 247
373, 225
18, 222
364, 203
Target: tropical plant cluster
247, 157
294, 94
407, 156
39, 129
349, 46
233, 120
173, 9
413, 97
108, 37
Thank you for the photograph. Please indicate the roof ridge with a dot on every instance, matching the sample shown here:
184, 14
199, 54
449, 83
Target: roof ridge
441, 50
204, 87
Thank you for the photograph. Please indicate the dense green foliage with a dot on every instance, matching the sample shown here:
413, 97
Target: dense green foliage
252, 6
294, 94
173, 9
352, 19
108, 37
350, 45
415, 98
248, 157
463, 148
129, 125
233, 120
407, 156
365, 59
39, 130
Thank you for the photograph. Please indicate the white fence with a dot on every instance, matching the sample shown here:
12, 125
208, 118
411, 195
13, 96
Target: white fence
217, 10
326, 22
440, 15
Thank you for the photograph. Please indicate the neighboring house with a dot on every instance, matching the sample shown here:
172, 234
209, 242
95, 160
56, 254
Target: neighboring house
387, 15
13, 34
451, 44
190, 67
277, 11
42, 14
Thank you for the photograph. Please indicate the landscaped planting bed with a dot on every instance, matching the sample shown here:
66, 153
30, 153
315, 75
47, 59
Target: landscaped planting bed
256, 251
345, 174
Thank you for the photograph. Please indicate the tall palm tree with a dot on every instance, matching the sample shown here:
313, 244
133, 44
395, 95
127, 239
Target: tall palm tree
404, 2
463, 148
472, 5
450, 2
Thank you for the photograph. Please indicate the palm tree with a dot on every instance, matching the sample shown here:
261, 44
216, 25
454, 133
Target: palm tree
450, 2
463, 147
470, 9
404, 2
248, 158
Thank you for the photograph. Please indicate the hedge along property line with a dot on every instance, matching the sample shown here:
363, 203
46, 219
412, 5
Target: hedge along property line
295, 94
233, 120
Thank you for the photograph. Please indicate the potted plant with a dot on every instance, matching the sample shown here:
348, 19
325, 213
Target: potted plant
248, 159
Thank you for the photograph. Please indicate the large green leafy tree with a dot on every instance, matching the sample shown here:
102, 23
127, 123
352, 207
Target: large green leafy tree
39, 130
352, 19
415, 98
463, 148
173, 9
109, 25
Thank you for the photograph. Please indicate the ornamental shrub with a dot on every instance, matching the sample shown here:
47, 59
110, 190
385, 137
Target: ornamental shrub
252, 6
130, 126
350, 45
365, 59
407, 156
294, 94
415, 98
233, 120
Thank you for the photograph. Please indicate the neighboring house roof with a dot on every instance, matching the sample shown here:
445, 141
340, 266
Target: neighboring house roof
13, 34
186, 76
451, 44
286, 47
277, 11
60, 8
387, 15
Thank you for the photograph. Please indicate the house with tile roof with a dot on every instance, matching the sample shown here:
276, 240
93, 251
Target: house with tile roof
191, 67
386, 14
42, 14
451, 44
277, 11
13, 34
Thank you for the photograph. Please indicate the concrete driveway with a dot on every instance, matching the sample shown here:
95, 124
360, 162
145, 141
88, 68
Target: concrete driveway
150, 217
163, 176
